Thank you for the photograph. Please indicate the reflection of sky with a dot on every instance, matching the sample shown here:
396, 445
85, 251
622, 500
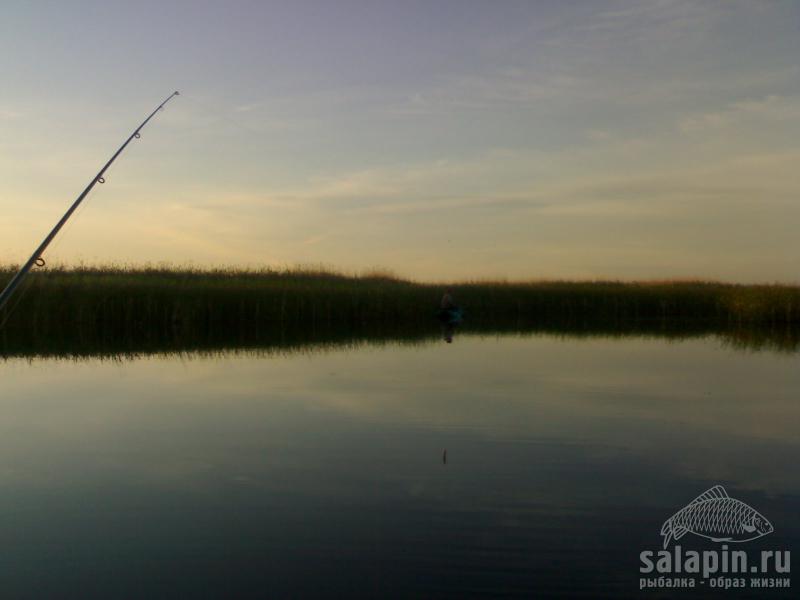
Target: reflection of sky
466, 139
328, 467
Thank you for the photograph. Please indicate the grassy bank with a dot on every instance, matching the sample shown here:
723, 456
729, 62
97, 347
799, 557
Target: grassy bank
158, 306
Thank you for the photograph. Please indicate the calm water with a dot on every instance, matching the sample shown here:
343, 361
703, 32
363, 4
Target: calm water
323, 473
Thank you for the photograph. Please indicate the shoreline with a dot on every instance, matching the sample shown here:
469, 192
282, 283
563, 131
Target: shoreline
116, 310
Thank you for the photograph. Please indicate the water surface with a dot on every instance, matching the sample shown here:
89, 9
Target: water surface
323, 473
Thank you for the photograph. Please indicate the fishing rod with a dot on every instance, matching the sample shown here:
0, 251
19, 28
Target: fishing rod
36, 258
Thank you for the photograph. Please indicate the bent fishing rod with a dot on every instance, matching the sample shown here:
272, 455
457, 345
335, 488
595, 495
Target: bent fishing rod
36, 257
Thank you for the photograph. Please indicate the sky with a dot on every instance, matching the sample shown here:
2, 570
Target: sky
438, 140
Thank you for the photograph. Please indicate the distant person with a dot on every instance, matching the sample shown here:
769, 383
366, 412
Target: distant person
449, 315
447, 301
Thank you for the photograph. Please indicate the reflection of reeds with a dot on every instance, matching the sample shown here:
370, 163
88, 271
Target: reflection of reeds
165, 308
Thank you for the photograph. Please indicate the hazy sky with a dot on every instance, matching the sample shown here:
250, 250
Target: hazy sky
439, 139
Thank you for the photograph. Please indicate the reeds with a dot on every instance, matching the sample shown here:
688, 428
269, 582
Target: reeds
158, 306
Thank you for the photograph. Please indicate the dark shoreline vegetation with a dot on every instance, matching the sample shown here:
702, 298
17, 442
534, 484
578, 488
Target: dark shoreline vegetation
108, 311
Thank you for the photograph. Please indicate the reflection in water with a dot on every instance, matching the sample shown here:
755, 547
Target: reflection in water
310, 474
450, 316
16, 343
447, 333
449, 329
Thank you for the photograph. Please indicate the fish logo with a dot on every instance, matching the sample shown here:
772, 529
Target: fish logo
718, 517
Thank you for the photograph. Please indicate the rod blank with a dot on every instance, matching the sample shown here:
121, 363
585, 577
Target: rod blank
36, 258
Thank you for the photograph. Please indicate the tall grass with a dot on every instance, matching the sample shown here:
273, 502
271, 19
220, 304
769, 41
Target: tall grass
158, 306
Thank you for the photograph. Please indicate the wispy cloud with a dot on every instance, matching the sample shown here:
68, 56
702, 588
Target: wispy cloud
505, 87
7, 114
772, 108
